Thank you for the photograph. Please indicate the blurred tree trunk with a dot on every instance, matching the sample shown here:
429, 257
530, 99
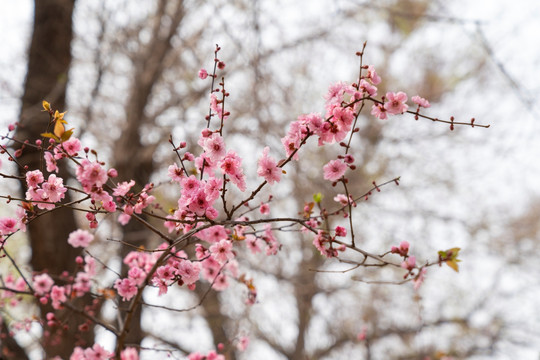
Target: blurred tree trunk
49, 60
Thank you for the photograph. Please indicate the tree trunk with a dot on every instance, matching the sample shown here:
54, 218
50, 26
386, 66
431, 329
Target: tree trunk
49, 61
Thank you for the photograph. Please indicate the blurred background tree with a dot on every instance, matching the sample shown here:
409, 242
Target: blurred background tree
127, 74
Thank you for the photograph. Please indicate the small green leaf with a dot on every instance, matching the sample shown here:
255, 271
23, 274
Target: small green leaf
318, 197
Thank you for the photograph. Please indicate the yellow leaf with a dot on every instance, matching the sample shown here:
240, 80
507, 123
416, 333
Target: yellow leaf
453, 264
46, 106
59, 128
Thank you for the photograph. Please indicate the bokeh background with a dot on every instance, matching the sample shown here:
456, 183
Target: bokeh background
131, 81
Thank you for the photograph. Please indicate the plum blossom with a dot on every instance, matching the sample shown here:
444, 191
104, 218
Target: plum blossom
34, 178
379, 111
268, 168
396, 103
420, 101
222, 251
42, 284
8, 225
203, 74
80, 238
126, 288
334, 170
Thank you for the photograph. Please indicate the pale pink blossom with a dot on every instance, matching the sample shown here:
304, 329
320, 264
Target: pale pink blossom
8, 225
372, 75
214, 146
409, 263
50, 162
126, 288
175, 173
53, 189
243, 343
72, 146
80, 238
123, 188
334, 170
188, 271
268, 168
222, 251
34, 178
420, 101
395, 103
379, 111
42, 284
58, 296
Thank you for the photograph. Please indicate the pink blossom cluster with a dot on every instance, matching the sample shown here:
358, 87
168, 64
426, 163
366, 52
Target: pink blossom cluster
44, 193
325, 243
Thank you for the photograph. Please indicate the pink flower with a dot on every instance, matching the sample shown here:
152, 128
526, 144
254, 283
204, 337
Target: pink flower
188, 271
58, 296
221, 282
253, 244
126, 288
379, 111
334, 170
372, 75
123, 188
42, 284
243, 343
8, 225
232, 166
129, 354
368, 88
34, 178
53, 189
396, 103
403, 249
203, 74
175, 173
50, 161
72, 146
409, 264
214, 146
97, 352
80, 238
268, 168
222, 251
91, 174
420, 101
264, 209
341, 231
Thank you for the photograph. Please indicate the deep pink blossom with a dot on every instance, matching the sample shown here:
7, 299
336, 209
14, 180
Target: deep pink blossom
203, 74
